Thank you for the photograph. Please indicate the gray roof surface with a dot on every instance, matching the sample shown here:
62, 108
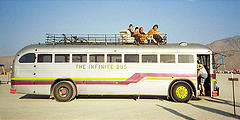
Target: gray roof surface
170, 47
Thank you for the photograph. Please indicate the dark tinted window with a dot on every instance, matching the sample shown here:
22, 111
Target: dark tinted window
44, 58
79, 58
167, 58
28, 58
114, 58
61, 58
134, 58
96, 58
185, 58
149, 58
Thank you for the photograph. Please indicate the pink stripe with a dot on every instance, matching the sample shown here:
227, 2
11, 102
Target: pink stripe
133, 79
22, 82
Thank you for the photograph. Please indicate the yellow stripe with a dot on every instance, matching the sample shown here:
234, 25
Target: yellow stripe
69, 78
33, 78
167, 79
99, 78
213, 79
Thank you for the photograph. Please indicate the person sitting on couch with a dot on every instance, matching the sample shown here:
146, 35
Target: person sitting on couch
134, 33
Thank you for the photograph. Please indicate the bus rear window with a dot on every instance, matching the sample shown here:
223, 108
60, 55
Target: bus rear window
167, 58
185, 58
114, 58
79, 58
96, 58
131, 58
28, 58
149, 58
61, 58
44, 58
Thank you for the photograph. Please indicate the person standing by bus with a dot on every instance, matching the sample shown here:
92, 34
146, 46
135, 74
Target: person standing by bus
202, 74
155, 34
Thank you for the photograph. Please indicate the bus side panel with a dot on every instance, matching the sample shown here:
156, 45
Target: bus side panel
24, 89
43, 89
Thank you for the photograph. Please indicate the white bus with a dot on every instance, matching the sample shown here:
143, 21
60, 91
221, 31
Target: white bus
65, 71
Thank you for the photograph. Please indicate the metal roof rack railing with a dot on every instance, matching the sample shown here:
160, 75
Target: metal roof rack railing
54, 39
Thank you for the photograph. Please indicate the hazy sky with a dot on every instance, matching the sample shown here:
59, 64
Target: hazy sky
24, 22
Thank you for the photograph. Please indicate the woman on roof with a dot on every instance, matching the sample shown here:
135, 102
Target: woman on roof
143, 35
155, 34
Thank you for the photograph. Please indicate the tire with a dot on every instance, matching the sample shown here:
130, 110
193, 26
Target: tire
74, 90
64, 91
181, 91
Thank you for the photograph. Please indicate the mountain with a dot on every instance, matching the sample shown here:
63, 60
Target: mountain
7, 61
230, 48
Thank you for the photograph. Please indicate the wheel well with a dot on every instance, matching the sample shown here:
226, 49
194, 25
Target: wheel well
186, 80
59, 80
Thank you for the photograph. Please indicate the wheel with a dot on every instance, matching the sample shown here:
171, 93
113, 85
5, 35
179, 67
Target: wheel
64, 91
181, 91
74, 90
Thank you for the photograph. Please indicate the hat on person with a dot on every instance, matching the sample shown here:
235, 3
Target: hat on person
131, 25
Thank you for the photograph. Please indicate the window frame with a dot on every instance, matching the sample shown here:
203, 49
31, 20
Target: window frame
121, 56
139, 59
193, 56
52, 58
157, 60
61, 54
175, 58
89, 59
79, 54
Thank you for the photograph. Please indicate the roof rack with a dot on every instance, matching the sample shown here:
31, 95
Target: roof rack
82, 39
97, 39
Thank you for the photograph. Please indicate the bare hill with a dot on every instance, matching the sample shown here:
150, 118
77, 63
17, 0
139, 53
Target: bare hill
229, 47
7, 61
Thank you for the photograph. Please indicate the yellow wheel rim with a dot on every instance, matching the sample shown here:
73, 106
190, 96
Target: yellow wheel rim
181, 92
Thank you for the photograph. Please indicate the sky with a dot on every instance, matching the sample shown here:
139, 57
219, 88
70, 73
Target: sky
24, 22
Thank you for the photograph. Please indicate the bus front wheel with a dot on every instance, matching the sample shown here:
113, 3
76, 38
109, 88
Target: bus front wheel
64, 91
181, 91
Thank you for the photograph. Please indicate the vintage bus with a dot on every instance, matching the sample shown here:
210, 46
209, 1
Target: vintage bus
64, 71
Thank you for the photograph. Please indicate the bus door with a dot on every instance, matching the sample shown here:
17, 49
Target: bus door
204, 59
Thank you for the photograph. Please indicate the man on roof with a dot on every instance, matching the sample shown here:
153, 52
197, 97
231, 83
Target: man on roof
136, 36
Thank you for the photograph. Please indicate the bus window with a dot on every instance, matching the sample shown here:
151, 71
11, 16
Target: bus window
44, 58
61, 58
167, 58
96, 58
114, 58
185, 58
149, 58
79, 58
134, 58
28, 58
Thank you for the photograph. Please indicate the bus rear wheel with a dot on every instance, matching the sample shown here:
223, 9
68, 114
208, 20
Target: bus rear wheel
181, 91
64, 91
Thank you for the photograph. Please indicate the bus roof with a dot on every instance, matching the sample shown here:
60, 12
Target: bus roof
167, 48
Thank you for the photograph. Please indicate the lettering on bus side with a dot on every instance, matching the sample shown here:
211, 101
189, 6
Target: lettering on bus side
100, 66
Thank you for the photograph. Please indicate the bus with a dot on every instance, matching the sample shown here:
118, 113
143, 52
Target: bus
65, 71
